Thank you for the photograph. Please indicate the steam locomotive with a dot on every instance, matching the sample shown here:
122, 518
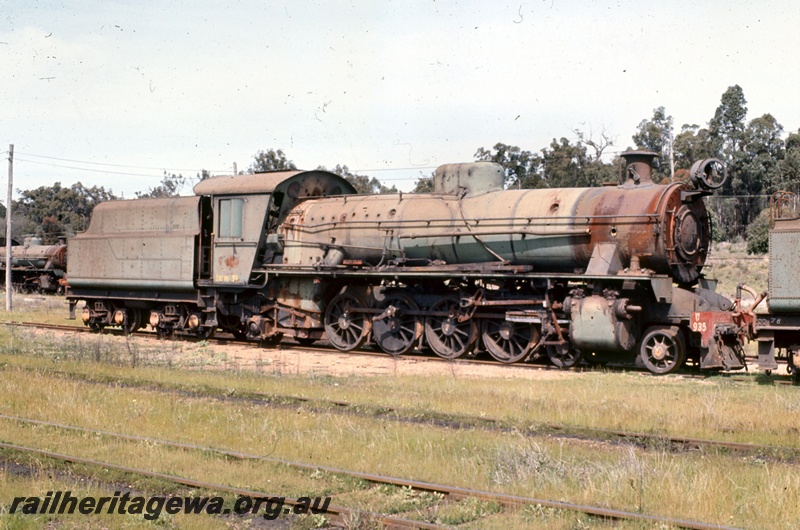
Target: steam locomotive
36, 268
564, 274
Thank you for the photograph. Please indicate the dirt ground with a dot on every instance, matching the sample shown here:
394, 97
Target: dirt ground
335, 363
213, 354
300, 361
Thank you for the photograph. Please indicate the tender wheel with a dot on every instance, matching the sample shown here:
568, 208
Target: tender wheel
791, 369
662, 350
563, 355
96, 327
446, 336
165, 333
133, 321
205, 333
508, 342
305, 341
346, 329
395, 331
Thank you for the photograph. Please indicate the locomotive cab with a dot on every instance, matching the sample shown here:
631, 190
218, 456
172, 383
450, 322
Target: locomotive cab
249, 209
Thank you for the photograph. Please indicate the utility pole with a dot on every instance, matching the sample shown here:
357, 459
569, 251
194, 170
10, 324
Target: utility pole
8, 225
671, 159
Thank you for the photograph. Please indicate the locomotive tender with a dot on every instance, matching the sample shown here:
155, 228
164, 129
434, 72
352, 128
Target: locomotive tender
612, 272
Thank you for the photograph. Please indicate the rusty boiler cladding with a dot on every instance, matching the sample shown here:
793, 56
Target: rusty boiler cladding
471, 219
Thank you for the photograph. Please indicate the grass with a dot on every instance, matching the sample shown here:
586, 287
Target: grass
716, 408
38, 308
730, 265
48, 377
41, 480
715, 488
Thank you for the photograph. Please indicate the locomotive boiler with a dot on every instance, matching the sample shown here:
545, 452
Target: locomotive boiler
561, 274
470, 218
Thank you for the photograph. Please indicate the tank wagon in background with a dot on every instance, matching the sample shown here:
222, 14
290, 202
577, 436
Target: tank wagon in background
36, 268
613, 272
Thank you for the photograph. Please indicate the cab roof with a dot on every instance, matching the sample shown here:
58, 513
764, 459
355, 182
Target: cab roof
296, 184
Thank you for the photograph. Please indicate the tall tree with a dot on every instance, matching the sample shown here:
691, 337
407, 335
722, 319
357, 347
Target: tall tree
727, 132
423, 184
690, 145
362, 183
270, 160
727, 127
655, 135
765, 150
521, 167
565, 165
598, 145
171, 186
790, 165
755, 170
69, 207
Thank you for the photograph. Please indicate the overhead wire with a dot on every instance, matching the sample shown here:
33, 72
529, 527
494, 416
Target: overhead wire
360, 171
168, 170
109, 164
89, 169
214, 171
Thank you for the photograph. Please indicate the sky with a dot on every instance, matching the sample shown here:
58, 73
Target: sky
114, 93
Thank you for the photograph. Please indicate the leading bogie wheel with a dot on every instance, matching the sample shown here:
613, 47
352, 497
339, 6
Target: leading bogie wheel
445, 335
345, 326
662, 349
563, 355
397, 328
509, 342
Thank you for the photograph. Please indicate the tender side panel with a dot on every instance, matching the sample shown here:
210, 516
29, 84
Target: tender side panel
140, 244
784, 270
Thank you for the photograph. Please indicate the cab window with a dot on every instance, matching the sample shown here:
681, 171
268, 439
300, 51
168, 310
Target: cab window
230, 218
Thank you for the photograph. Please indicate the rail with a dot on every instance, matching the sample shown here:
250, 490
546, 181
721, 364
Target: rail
450, 491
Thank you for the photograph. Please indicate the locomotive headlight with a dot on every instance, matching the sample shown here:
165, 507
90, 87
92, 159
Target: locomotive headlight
709, 174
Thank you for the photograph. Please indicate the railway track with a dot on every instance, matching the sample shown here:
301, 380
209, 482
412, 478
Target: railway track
326, 349
338, 513
644, 440
640, 439
450, 492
